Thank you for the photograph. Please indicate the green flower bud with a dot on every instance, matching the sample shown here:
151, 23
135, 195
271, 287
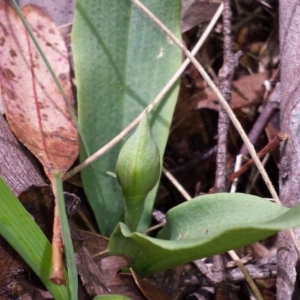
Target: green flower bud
138, 170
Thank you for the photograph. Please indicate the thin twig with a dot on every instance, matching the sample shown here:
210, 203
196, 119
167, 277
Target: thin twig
260, 124
269, 147
157, 99
225, 79
237, 166
174, 181
245, 272
271, 100
256, 174
226, 76
154, 227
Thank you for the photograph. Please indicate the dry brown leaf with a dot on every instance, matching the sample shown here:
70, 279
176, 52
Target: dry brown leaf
94, 242
246, 91
195, 12
150, 291
61, 11
36, 111
119, 283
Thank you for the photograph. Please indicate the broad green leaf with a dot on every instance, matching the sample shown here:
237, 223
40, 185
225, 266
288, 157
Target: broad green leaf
202, 227
23, 234
68, 245
122, 60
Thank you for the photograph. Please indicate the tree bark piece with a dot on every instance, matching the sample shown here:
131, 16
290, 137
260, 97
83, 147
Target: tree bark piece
290, 150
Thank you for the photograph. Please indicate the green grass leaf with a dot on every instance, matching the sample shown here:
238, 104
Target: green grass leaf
23, 234
122, 60
202, 227
67, 240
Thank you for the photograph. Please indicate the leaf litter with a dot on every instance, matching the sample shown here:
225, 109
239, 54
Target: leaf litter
199, 136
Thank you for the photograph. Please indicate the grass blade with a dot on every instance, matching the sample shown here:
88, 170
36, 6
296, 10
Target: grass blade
23, 234
68, 245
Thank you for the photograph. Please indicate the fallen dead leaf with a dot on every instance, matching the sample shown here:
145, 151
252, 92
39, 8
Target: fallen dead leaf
195, 12
246, 91
35, 109
148, 289
119, 283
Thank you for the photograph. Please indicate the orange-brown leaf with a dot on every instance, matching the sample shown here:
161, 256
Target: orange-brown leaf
35, 109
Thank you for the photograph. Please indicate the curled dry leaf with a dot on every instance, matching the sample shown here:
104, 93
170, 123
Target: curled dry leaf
36, 111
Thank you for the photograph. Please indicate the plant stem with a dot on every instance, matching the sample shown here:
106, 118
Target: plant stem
134, 209
57, 276
225, 78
